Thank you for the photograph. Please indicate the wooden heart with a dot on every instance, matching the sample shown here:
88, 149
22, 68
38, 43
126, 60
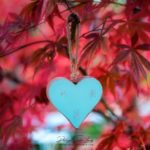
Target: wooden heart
74, 101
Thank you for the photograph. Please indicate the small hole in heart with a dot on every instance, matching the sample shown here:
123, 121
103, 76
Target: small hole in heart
62, 93
92, 93
76, 114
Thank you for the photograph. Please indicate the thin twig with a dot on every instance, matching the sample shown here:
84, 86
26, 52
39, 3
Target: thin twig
8, 52
83, 71
108, 108
108, 118
11, 76
68, 6
94, 30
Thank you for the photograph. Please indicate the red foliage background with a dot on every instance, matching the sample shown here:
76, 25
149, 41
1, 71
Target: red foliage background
114, 48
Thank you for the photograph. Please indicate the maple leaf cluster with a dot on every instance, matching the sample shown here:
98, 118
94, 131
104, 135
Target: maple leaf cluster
114, 48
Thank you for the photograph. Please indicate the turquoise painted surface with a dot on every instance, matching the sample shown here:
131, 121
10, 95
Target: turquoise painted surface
74, 101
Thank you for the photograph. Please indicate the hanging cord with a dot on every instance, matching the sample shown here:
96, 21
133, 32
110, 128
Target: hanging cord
73, 34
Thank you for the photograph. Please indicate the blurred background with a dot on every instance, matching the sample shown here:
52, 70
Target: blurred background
114, 48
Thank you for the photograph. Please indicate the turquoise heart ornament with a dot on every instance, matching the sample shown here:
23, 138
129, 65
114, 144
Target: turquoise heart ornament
74, 101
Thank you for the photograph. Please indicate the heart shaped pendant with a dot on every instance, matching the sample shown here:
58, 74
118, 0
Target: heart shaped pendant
74, 101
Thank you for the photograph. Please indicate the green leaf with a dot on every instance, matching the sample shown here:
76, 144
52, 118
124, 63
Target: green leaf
94, 130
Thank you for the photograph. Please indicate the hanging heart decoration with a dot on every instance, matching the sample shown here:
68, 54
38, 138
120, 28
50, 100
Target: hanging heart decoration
74, 101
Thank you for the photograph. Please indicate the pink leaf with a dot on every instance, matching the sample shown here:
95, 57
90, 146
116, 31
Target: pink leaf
121, 56
144, 47
144, 61
123, 46
134, 39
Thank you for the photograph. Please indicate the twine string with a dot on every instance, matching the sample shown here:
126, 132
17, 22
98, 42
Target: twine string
73, 21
